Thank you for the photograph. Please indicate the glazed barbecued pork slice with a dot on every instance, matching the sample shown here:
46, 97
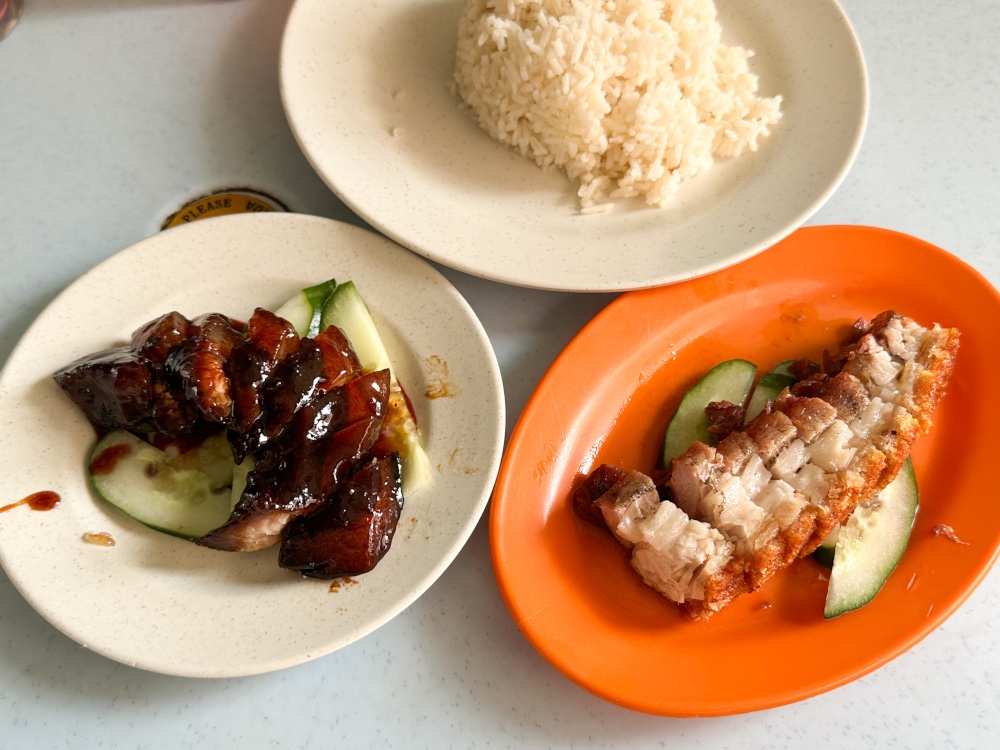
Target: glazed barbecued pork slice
198, 365
269, 339
300, 471
180, 377
775, 489
113, 388
160, 336
168, 381
352, 533
340, 363
295, 381
319, 364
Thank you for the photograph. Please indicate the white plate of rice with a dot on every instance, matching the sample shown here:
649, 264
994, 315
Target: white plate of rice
638, 103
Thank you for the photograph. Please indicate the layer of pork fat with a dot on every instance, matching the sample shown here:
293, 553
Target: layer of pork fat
671, 552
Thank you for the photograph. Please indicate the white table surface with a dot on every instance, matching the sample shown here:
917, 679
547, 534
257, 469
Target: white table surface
113, 111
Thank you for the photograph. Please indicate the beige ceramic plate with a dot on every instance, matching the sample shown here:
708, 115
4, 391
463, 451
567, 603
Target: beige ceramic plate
163, 604
353, 71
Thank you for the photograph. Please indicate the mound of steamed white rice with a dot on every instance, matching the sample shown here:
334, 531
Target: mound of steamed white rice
630, 97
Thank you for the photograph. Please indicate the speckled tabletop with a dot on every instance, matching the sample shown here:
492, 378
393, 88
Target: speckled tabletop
112, 112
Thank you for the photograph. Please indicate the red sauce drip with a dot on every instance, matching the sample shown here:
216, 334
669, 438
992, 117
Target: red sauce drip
44, 500
105, 461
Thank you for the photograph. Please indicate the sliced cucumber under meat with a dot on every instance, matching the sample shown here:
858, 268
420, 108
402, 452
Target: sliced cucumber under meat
871, 543
213, 455
347, 310
305, 309
768, 387
730, 381
163, 492
823, 554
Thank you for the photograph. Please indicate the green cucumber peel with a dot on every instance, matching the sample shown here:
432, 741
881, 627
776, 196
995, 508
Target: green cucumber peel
824, 553
346, 309
317, 296
768, 387
157, 490
304, 310
729, 381
871, 543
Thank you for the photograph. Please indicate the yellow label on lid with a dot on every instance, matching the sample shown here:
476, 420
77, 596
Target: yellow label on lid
222, 203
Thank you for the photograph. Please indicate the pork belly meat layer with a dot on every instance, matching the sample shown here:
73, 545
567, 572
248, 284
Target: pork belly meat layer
352, 533
169, 380
773, 491
671, 552
298, 473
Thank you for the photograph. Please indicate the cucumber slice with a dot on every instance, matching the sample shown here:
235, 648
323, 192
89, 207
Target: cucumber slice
240, 473
347, 310
784, 369
214, 457
151, 487
871, 543
730, 381
305, 309
405, 438
768, 387
824, 553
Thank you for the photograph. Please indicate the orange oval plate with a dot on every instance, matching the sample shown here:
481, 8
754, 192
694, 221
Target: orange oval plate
608, 398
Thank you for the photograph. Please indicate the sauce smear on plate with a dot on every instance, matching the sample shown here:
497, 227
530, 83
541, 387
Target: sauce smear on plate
44, 500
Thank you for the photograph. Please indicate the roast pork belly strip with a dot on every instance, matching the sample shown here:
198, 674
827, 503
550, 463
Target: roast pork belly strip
771, 492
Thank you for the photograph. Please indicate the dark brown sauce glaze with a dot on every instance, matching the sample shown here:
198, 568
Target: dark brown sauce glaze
106, 461
301, 407
171, 379
299, 472
294, 383
113, 388
340, 363
44, 500
158, 337
251, 363
351, 534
